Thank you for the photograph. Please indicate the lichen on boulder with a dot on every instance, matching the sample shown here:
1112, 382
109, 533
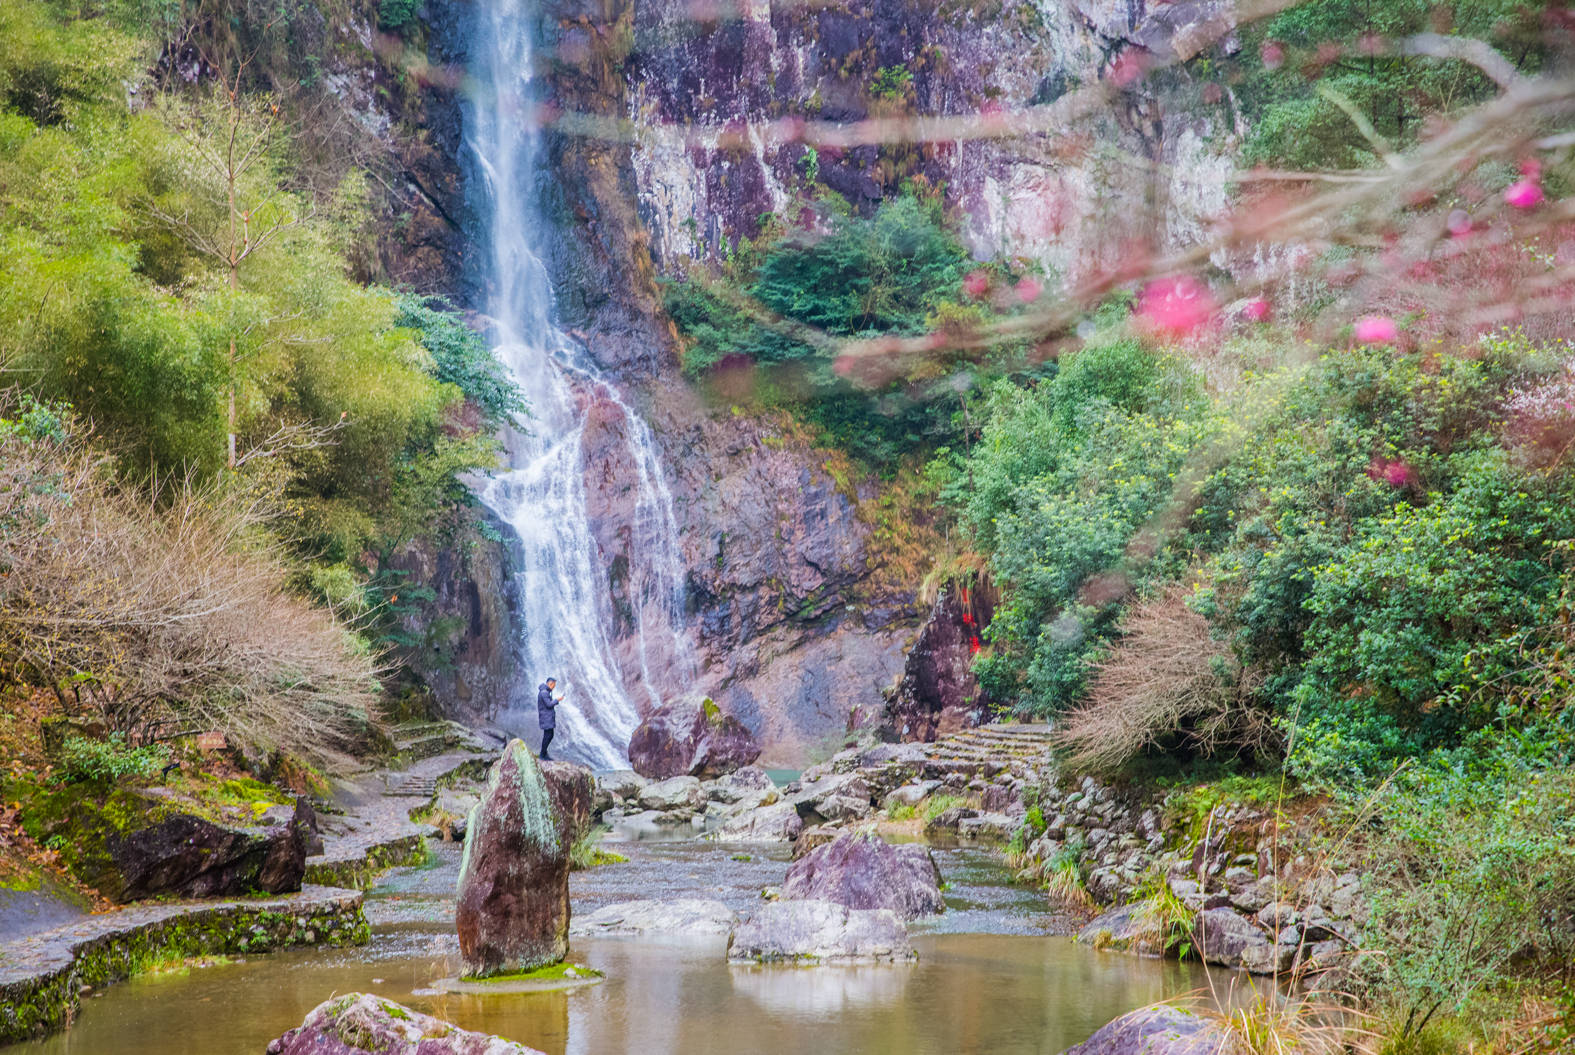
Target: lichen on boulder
512, 912
361, 1022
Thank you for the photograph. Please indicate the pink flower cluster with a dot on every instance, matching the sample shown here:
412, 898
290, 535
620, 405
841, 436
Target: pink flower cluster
1174, 307
1526, 192
1377, 329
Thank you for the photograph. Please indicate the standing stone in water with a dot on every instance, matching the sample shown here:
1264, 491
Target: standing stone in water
513, 908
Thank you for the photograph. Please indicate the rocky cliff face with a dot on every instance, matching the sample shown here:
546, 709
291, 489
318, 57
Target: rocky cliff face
1146, 173
788, 634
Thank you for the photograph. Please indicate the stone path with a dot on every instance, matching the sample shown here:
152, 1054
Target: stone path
42, 975
375, 832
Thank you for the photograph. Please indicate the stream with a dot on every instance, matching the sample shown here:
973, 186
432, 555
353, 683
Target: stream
988, 979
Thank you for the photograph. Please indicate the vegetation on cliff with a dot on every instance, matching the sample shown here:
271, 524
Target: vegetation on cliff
238, 423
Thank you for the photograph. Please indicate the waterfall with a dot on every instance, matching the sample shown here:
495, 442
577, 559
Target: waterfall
566, 605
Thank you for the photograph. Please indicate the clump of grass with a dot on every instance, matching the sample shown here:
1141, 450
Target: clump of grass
1166, 923
587, 852
1061, 876
938, 804
1275, 1023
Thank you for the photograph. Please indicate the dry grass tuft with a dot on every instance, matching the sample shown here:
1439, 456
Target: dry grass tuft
1165, 680
163, 611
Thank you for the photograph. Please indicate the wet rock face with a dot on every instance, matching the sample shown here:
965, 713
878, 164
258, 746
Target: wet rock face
465, 633
1159, 1030
692, 737
512, 912
863, 871
939, 693
1067, 209
360, 1023
192, 856
820, 932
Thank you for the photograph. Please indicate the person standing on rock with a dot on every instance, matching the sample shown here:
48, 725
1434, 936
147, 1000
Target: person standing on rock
546, 713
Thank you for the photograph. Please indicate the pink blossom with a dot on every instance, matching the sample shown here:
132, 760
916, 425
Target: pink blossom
1524, 194
1377, 329
1028, 289
1272, 55
976, 284
1255, 310
1394, 473
1129, 66
1174, 306
1459, 222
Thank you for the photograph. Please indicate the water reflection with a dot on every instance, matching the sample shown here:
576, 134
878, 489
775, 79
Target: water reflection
820, 992
1007, 990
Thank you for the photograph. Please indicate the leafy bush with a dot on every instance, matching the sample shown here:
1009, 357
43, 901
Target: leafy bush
1470, 873
1062, 478
109, 761
898, 272
1293, 101
395, 15
462, 358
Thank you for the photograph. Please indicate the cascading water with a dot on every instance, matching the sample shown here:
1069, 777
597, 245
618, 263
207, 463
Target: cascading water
542, 493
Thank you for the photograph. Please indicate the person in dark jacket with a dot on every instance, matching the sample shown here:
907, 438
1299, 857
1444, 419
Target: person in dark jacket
546, 713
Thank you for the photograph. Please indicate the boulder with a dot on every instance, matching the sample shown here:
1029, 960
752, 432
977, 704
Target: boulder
769, 824
844, 807
621, 784
819, 932
359, 1022
749, 783
949, 820
832, 796
512, 911
138, 845
1223, 936
810, 838
682, 918
1122, 927
1160, 1029
861, 870
675, 793
912, 794
691, 737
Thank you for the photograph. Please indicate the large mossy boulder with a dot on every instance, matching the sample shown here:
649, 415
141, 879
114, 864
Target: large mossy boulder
861, 870
359, 1023
513, 907
691, 737
130, 843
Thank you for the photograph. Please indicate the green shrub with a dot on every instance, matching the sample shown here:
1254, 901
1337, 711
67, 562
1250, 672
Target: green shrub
898, 272
1470, 874
109, 761
395, 15
1063, 476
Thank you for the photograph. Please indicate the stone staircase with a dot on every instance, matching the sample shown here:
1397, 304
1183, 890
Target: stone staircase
1020, 750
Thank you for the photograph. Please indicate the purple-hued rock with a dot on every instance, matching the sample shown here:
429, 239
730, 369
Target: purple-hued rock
861, 870
691, 737
819, 932
1160, 1029
512, 912
359, 1023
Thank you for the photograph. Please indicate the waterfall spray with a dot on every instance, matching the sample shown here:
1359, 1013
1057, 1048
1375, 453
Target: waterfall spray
566, 608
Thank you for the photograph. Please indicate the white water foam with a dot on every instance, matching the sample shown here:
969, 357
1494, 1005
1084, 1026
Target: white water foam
567, 614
